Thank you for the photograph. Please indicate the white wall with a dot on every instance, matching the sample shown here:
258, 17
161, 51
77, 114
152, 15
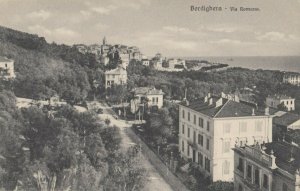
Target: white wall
232, 130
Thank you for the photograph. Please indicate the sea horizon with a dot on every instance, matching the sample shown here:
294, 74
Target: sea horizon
282, 63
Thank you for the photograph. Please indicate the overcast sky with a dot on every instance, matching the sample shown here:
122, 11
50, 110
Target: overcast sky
166, 26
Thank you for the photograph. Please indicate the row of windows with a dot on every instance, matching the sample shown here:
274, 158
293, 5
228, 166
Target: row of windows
206, 164
200, 137
155, 100
249, 168
200, 120
242, 127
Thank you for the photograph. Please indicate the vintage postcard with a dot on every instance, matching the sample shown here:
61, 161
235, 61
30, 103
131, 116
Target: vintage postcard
150, 95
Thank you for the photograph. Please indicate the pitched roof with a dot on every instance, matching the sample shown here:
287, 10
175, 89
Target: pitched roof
286, 119
222, 108
147, 91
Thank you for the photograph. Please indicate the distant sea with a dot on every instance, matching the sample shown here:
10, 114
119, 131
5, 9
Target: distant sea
282, 63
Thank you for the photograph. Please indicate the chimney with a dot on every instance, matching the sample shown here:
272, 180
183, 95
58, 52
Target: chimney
267, 111
210, 101
185, 92
223, 95
236, 98
253, 111
219, 102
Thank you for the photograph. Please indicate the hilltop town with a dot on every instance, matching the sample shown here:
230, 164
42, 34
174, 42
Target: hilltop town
84, 111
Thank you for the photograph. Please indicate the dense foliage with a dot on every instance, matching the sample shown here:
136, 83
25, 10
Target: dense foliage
44, 70
198, 83
62, 150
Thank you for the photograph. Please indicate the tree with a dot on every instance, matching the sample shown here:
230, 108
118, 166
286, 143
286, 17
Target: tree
111, 138
126, 171
282, 107
117, 93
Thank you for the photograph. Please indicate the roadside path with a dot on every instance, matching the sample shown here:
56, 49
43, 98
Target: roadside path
155, 180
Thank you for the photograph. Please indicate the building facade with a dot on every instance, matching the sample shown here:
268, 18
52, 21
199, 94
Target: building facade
210, 127
267, 167
176, 63
146, 96
7, 70
286, 101
116, 76
292, 78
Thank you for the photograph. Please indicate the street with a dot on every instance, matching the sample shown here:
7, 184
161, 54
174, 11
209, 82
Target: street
155, 181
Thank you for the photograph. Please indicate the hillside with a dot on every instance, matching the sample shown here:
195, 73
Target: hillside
45, 69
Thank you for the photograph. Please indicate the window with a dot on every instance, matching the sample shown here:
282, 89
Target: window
240, 166
195, 119
226, 128
200, 122
188, 150
256, 177
188, 132
243, 127
153, 100
5, 65
189, 116
207, 144
207, 164
200, 139
258, 126
183, 129
226, 167
200, 159
284, 187
226, 147
249, 171
157, 100
183, 114
194, 137
266, 181
291, 102
207, 126
182, 146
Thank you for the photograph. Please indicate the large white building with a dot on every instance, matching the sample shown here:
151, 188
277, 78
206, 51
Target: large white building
146, 96
267, 167
176, 63
292, 78
276, 100
210, 127
116, 76
7, 70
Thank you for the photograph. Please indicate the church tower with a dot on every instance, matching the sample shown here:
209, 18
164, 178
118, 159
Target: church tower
104, 41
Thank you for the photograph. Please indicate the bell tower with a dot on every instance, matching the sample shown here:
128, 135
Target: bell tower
104, 41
